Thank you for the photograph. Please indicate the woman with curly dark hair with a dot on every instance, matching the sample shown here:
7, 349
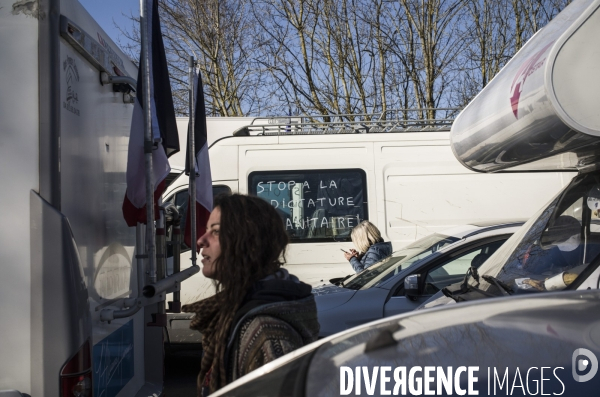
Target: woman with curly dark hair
260, 312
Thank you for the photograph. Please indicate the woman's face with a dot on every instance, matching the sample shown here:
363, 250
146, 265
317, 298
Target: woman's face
209, 242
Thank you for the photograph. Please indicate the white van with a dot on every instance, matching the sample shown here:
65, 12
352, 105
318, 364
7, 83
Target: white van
219, 127
404, 179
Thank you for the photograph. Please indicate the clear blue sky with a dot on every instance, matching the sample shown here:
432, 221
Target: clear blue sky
110, 12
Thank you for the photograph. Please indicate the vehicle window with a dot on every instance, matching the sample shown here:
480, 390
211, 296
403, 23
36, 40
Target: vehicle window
220, 189
398, 261
454, 270
315, 205
181, 201
554, 247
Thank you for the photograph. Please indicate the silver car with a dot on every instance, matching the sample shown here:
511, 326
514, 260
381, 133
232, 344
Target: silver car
545, 343
430, 264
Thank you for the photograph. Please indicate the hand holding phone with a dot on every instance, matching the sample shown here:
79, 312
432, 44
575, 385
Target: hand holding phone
347, 255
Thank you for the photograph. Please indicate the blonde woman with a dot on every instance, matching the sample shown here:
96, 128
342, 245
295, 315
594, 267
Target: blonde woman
370, 247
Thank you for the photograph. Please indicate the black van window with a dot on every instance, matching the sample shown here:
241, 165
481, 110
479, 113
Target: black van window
181, 200
218, 190
315, 205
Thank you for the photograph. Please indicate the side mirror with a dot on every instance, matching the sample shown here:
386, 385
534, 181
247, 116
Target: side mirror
411, 285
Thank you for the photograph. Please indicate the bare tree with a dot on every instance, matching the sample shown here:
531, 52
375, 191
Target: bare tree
344, 56
492, 37
219, 33
381, 49
531, 15
346, 38
288, 53
490, 46
395, 54
431, 37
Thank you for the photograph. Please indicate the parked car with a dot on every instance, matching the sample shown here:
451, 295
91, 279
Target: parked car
440, 259
548, 343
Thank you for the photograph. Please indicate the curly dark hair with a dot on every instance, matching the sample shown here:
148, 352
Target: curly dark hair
253, 243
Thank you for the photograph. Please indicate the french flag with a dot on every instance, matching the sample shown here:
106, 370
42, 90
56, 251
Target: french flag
164, 127
204, 198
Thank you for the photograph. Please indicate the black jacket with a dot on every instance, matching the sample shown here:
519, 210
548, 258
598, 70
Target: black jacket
278, 315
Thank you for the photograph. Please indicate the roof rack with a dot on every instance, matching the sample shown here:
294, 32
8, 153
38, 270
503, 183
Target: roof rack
396, 120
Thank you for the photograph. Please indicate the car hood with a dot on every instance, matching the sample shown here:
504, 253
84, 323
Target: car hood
500, 333
328, 296
327, 289
517, 331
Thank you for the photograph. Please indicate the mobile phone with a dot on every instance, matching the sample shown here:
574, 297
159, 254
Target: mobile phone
345, 252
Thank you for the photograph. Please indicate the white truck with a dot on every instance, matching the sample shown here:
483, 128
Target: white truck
74, 320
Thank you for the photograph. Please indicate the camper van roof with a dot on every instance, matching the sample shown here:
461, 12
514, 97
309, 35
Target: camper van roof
542, 106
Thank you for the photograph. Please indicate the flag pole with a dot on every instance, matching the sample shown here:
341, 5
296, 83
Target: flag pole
192, 160
148, 142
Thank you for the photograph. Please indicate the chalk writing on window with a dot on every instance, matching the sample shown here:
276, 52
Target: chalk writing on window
314, 205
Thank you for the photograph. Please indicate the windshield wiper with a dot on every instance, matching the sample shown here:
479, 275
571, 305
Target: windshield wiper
504, 288
339, 281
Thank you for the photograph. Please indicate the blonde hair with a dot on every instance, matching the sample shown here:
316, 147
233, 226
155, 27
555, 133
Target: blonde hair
364, 235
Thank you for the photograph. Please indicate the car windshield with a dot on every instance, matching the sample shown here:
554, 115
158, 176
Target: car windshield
552, 249
399, 260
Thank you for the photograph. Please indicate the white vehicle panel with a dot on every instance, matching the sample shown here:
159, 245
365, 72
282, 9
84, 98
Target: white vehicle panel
216, 128
19, 173
95, 125
576, 84
445, 200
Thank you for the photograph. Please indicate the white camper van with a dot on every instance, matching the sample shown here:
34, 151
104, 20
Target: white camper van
541, 110
326, 176
66, 253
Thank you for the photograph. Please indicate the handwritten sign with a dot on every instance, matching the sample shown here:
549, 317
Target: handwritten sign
281, 186
320, 202
314, 207
336, 222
